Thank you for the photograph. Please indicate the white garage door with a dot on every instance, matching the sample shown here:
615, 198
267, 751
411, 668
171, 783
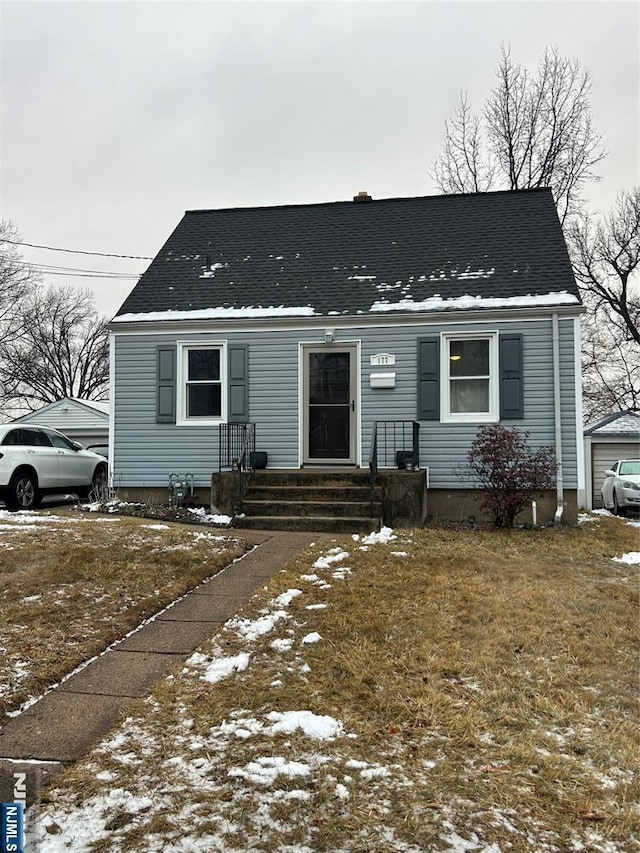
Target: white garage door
603, 457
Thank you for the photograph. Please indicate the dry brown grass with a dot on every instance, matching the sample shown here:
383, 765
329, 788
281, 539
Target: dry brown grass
69, 588
493, 675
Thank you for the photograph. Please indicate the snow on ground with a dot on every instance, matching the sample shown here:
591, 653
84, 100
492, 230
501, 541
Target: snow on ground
265, 778
256, 783
13, 526
632, 558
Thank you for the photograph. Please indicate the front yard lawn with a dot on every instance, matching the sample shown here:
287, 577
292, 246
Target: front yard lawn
440, 691
71, 583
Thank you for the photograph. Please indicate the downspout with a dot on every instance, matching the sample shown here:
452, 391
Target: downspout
558, 421
112, 406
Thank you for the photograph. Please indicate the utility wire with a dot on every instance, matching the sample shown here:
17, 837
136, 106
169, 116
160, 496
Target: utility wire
77, 251
48, 268
85, 275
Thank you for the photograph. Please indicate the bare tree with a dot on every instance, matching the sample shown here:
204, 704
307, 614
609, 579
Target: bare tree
606, 262
62, 350
17, 282
462, 167
610, 369
535, 131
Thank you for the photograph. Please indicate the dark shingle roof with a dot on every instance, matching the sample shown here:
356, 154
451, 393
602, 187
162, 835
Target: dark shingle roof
344, 256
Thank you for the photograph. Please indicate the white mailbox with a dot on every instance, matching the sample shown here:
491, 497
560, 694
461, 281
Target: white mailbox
382, 380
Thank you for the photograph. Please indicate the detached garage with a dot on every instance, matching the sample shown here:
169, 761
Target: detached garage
612, 437
86, 421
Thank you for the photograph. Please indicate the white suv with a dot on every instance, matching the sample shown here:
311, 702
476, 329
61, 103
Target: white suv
621, 488
35, 461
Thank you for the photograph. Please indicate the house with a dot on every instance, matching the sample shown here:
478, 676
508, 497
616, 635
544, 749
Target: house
86, 421
315, 322
614, 436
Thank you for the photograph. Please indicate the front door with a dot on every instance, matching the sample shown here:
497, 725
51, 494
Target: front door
329, 401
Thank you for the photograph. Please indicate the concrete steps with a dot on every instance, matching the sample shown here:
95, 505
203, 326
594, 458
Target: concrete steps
311, 500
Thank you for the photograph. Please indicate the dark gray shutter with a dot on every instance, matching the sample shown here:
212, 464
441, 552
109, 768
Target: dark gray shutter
511, 391
166, 384
238, 358
429, 379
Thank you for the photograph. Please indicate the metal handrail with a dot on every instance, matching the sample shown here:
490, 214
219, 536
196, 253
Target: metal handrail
237, 447
373, 466
398, 444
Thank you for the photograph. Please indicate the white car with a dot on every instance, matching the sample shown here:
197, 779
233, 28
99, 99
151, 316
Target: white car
36, 461
621, 487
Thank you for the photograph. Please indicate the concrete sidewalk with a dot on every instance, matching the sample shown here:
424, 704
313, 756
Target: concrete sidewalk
63, 726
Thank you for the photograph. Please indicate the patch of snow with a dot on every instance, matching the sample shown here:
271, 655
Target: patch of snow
218, 313
384, 535
632, 558
437, 303
252, 629
224, 667
311, 638
281, 645
335, 555
285, 598
265, 770
315, 726
211, 518
315, 607
155, 526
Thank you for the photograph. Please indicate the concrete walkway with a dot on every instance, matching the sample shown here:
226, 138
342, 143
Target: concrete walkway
63, 726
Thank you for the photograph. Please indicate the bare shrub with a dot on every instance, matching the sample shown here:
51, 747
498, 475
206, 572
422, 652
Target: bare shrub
509, 471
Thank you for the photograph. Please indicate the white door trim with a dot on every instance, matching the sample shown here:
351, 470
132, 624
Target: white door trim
354, 346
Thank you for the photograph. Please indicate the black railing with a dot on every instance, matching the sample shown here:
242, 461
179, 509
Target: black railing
373, 466
394, 444
397, 444
236, 451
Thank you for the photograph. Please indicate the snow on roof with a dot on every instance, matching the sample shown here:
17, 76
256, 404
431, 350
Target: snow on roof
437, 303
434, 303
217, 314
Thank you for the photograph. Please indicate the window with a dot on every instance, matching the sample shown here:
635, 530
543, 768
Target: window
35, 438
203, 392
13, 438
60, 441
469, 374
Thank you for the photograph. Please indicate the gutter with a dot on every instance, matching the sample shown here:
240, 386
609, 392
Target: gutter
558, 420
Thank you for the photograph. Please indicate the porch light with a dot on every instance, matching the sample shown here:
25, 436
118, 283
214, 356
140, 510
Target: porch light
329, 336
455, 357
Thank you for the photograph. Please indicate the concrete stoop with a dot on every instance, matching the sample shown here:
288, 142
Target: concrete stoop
311, 500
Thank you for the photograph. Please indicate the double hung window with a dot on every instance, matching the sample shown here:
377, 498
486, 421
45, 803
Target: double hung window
469, 378
203, 392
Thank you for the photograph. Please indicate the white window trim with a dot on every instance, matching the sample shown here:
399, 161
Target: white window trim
183, 348
446, 415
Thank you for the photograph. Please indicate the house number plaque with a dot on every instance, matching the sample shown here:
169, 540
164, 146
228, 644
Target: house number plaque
382, 359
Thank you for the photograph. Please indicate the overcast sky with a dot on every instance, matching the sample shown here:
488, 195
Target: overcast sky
118, 116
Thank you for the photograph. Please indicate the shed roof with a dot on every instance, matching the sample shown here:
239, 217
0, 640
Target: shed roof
96, 407
401, 255
617, 424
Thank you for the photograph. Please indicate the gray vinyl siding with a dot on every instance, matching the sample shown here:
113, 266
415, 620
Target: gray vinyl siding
145, 452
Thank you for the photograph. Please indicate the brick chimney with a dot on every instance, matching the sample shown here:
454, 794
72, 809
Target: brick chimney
363, 195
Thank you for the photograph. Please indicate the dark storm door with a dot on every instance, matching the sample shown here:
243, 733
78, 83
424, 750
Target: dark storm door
330, 418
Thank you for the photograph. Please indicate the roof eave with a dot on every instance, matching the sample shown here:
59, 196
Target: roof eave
409, 318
